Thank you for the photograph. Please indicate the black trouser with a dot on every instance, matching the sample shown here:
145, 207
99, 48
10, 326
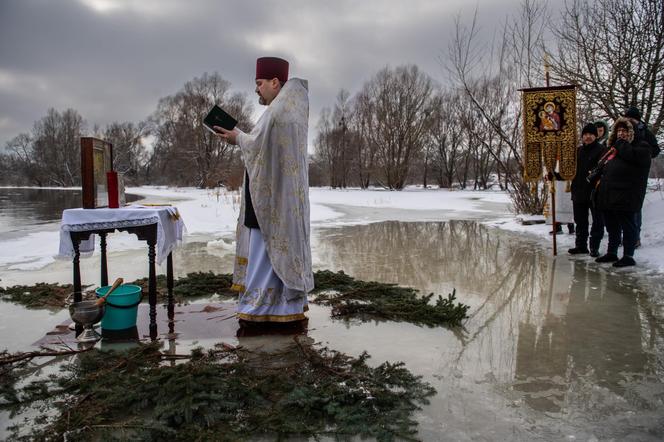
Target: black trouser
581, 220
617, 222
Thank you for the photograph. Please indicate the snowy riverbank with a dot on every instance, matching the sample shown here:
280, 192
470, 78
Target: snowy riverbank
212, 214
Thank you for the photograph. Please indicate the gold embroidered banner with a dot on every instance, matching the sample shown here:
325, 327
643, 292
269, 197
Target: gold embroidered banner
549, 131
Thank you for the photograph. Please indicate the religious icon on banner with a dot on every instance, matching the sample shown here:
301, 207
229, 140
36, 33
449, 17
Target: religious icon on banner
549, 124
549, 117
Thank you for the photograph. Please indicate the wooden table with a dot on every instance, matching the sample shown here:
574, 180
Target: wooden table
145, 232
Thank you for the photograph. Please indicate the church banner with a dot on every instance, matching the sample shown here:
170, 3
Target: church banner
549, 125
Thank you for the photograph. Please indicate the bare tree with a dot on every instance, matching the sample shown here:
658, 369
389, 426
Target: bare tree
340, 149
446, 136
399, 101
20, 166
491, 79
363, 148
326, 147
129, 154
342, 115
56, 147
184, 151
50, 155
614, 51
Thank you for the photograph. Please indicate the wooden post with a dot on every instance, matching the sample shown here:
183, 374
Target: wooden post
552, 172
553, 213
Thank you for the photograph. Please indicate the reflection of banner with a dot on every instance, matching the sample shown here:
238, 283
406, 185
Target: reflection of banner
549, 125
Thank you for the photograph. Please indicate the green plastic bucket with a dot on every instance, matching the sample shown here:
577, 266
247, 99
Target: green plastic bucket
121, 306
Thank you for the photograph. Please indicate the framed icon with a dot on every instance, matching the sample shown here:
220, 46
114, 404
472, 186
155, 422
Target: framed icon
96, 161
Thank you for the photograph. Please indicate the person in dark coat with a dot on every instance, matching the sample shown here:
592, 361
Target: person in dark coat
587, 156
641, 133
621, 190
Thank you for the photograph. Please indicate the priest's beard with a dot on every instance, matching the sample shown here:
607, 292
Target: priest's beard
261, 100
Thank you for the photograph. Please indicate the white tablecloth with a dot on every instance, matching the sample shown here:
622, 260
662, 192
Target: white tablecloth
169, 226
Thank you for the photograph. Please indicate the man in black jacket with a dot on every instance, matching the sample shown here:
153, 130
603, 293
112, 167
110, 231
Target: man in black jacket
587, 156
641, 134
622, 189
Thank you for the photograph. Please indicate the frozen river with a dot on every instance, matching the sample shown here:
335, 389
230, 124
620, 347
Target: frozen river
554, 349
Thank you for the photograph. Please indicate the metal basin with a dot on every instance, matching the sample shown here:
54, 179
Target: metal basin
86, 314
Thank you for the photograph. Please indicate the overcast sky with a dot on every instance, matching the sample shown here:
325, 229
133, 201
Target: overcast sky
112, 60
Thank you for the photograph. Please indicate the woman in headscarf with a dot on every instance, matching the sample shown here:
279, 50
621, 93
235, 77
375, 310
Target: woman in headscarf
602, 131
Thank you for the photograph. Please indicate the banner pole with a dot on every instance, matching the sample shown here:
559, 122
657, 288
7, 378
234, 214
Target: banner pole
553, 213
552, 172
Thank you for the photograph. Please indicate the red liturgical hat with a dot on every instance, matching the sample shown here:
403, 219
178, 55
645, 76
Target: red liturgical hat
268, 68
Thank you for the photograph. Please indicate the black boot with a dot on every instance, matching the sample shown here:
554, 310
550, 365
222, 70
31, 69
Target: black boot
578, 250
558, 229
594, 253
625, 261
570, 228
609, 257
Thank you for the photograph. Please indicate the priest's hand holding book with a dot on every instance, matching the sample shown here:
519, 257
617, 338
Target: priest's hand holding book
229, 136
221, 124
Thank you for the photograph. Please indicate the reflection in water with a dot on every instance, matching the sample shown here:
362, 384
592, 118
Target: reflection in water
595, 332
553, 348
433, 257
560, 336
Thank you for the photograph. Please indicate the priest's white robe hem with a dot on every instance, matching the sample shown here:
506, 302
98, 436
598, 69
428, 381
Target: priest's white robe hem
265, 297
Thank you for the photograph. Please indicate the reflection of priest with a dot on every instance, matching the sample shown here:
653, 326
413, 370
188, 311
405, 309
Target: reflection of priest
273, 255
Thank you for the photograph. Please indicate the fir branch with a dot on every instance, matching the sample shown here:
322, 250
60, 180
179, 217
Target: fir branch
353, 298
348, 297
12, 358
228, 393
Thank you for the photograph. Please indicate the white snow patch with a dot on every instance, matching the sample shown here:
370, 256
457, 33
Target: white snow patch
214, 213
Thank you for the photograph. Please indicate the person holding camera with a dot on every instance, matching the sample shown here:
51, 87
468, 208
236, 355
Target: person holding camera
621, 190
587, 157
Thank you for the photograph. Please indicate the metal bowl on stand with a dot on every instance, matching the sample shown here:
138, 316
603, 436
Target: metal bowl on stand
86, 314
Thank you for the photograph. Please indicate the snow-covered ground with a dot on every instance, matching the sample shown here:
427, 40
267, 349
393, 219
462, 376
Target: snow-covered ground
212, 214
649, 257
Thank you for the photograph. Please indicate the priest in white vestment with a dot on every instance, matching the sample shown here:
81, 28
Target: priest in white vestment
273, 254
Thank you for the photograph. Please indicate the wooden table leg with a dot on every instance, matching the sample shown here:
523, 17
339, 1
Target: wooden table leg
169, 284
77, 276
104, 262
152, 288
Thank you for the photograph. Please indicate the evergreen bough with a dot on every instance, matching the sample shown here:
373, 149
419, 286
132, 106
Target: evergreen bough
348, 297
220, 394
38, 296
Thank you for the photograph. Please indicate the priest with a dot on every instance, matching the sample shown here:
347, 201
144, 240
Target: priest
273, 254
